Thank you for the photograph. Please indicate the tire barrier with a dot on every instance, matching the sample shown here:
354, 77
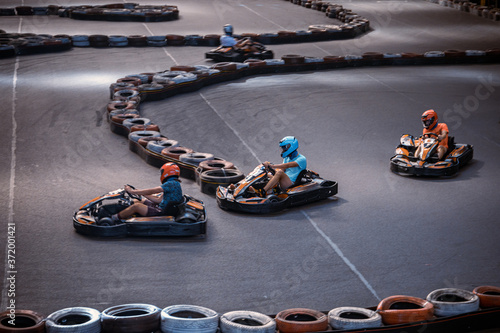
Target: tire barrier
476, 9
452, 301
130, 91
393, 314
396, 310
351, 25
110, 12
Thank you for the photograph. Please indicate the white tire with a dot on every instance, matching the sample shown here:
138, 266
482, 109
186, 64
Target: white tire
74, 320
189, 319
452, 301
246, 322
346, 318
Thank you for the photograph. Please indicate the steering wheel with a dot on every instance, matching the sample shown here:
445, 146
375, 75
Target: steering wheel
270, 169
133, 196
430, 134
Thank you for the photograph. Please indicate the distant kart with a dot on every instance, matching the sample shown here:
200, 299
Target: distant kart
309, 187
229, 54
94, 218
404, 162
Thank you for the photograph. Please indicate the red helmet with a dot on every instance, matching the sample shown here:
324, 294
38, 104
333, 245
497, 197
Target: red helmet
429, 119
168, 170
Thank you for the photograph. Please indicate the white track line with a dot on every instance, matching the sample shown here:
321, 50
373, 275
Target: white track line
341, 255
232, 129
12, 180
164, 49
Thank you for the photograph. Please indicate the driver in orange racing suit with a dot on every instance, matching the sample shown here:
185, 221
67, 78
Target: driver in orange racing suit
431, 125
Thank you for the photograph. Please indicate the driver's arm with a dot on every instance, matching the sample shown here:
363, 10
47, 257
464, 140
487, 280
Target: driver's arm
145, 192
442, 135
283, 165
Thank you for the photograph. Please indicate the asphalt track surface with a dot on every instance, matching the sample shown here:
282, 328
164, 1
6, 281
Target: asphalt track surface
382, 235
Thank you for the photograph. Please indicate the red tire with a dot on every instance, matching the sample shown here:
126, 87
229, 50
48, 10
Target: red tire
300, 320
489, 296
150, 127
26, 321
404, 309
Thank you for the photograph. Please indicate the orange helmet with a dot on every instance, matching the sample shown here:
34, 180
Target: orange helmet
429, 119
169, 170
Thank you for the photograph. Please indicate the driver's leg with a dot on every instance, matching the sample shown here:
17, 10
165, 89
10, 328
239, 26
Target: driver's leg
137, 208
281, 178
441, 151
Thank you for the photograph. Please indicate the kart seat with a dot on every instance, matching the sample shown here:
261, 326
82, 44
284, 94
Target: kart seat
451, 145
302, 178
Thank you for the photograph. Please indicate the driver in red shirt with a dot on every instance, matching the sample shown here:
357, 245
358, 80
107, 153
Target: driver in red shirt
431, 125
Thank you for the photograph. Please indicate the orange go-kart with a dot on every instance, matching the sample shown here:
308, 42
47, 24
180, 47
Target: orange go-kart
94, 218
404, 162
308, 188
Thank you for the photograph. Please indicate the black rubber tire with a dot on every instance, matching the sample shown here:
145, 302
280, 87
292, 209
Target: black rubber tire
347, 318
189, 319
26, 321
74, 320
227, 176
246, 322
137, 318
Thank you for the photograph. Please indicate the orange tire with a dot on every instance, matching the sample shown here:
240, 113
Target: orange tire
404, 309
151, 127
489, 296
300, 320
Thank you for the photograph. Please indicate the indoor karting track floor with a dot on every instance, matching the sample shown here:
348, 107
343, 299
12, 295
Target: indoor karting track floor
382, 235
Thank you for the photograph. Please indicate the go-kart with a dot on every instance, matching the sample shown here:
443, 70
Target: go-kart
308, 188
231, 54
94, 218
404, 162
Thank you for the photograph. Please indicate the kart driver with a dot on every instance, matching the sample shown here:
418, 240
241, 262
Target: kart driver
161, 200
431, 125
287, 172
227, 40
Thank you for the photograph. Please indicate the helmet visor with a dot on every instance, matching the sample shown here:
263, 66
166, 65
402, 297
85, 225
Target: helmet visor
427, 121
284, 148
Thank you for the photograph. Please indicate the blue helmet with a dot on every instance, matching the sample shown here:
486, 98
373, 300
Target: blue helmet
288, 145
228, 29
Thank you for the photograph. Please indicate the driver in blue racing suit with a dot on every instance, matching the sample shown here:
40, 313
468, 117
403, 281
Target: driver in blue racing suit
286, 172
227, 40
